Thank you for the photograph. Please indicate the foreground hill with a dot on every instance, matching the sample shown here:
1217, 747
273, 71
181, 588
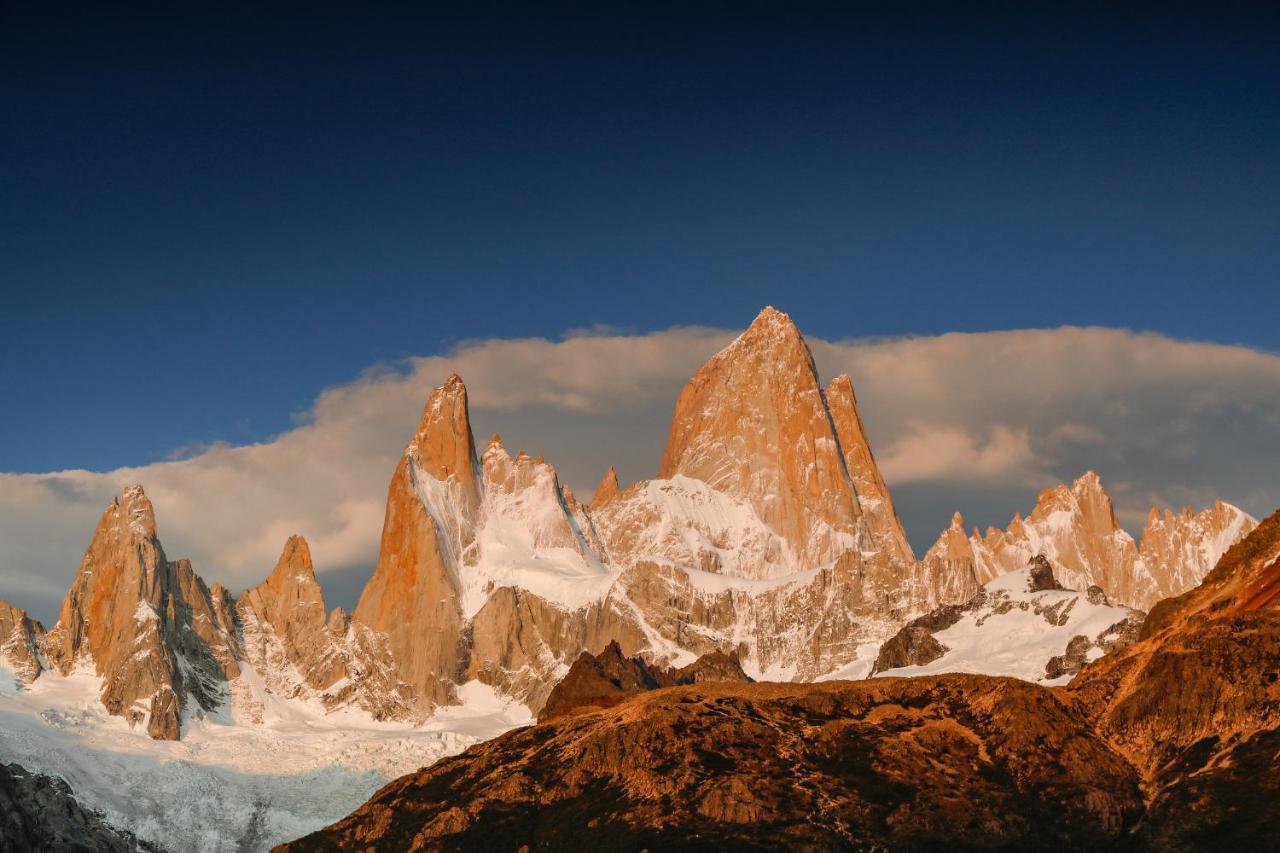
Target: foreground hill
1172, 743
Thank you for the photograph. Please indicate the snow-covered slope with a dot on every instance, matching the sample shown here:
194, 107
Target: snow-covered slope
230, 784
1022, 624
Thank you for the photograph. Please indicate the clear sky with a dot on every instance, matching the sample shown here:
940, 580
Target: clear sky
204, 221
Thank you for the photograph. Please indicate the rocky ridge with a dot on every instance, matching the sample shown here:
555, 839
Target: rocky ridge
1169, 743
1075, 526
604, 680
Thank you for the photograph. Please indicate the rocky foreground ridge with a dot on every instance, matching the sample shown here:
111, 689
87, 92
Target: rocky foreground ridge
769, 536
1170, 743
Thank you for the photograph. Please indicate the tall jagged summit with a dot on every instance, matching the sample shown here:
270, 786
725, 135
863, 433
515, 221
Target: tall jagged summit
753, 424
149, 627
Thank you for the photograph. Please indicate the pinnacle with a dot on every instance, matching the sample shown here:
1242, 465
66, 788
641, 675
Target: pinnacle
1088, 480
140, 513
841, 382
296, 555
771, 323
608, 487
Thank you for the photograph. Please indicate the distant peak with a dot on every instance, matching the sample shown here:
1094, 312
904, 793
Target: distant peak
495, 440
1089, 480
957, 522
295, 558
608, 487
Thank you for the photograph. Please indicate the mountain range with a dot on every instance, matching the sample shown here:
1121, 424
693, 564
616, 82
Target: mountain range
768, 535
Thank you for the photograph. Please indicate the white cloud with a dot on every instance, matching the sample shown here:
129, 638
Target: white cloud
924, 453
977, 422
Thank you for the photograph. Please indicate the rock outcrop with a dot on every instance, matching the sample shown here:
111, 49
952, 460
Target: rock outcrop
21, 643
1075, 526
608, 488
1195, 704
1023, 624
414, 596
300, 652
604, 680
40, 814
150, 628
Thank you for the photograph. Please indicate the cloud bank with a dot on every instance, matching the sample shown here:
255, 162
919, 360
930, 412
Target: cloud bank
977, 422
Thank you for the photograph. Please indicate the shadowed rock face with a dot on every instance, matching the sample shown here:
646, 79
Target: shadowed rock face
1172, 743
39, 813
604, 680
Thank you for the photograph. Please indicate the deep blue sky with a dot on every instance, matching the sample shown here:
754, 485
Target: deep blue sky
205, 221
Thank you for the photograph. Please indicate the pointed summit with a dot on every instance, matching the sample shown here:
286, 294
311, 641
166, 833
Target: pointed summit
753, 423
772, 334
873, 494
295, 648
146, 625
608, 487
290, 598
428, 536
443, 446
1075, 526
138, 510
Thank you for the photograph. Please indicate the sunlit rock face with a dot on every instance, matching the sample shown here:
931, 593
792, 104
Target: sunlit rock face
1076, 528
160, 640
